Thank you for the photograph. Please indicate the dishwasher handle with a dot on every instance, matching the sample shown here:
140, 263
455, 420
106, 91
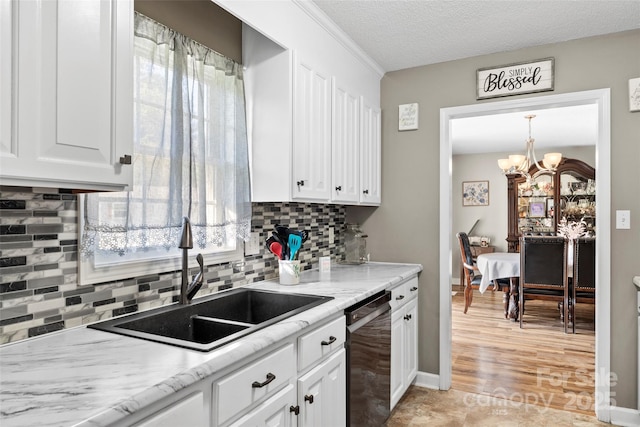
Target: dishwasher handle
369, 317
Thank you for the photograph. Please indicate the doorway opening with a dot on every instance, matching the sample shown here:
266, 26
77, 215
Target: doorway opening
600, 98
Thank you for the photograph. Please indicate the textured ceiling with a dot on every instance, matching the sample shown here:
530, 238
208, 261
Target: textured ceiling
400, 34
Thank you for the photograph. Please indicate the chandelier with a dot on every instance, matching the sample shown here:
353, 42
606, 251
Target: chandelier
520, 164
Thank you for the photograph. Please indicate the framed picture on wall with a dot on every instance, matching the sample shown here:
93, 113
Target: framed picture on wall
475, 193
537, 209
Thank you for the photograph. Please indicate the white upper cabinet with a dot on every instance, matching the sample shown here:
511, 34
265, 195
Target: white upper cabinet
71, 81
311, 132
304, 84
370, 154
6, 79
345, 145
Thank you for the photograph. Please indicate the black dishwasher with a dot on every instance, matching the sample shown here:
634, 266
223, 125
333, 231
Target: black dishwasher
369, 361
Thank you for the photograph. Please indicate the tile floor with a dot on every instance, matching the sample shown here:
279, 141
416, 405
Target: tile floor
426, 407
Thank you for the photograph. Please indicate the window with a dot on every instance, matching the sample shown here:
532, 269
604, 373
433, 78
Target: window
190, 159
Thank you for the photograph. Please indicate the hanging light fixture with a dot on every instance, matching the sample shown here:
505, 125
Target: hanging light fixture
520, 164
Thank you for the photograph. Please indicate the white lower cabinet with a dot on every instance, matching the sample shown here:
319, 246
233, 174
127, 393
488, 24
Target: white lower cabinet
322, 393
404, 338
279, 411
301, 383
238, 391
186, 412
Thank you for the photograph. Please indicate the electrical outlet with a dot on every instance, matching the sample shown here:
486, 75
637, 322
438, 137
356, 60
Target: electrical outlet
623, 220
331, 236
252, 247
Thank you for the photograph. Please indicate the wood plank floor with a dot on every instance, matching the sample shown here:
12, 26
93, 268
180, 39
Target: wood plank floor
507, 376
539, 364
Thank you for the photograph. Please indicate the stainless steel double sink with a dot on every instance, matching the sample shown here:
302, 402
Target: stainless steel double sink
214, 321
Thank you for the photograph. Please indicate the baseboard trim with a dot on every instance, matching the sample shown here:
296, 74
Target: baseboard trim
426, 380
624, 416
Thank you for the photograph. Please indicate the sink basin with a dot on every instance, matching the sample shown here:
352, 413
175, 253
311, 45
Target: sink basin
213, 321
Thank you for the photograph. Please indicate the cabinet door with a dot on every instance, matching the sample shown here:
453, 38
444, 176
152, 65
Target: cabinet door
345, 145
410, 360
370, 154
75, 96
6, 79
311, 133
397, 356
279, 411
322, 393
187, 412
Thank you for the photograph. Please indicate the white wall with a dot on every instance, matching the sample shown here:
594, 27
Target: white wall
493, 218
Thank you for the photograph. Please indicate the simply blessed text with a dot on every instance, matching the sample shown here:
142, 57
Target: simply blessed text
513, 80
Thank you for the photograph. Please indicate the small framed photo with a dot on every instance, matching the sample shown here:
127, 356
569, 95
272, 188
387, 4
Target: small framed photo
550, 207
537, 209
475, 193
408, 116
634, 94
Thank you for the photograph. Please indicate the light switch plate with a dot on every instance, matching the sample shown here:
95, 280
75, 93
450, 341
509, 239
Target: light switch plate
331, 236
623, 220
252, 247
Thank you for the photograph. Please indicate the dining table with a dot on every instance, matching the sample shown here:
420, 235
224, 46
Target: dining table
506, 265
501, 265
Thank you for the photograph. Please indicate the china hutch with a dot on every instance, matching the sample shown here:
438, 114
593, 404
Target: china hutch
537, 207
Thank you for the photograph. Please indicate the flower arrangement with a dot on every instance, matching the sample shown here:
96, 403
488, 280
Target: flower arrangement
536, 189
572, 229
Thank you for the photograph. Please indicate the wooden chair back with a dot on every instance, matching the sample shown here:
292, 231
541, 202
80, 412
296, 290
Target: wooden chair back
543, 271
584, 273
468, 267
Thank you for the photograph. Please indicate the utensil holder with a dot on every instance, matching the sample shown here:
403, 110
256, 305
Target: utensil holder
289, 272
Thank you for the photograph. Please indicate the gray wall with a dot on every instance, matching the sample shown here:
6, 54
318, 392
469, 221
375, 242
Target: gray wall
406, 226
493, 218
202, 20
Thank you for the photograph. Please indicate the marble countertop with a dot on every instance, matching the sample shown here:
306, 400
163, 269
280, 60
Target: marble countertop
87, 377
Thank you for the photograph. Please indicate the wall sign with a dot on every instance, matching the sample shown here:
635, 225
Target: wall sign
515, 79
634, 94
408, 116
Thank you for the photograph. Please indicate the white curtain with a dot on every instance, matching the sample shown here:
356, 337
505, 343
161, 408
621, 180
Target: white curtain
190, 151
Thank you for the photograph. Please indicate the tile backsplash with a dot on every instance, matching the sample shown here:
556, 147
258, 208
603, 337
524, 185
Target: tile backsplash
39, 292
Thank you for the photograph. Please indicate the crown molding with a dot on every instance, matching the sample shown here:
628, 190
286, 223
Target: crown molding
311, 9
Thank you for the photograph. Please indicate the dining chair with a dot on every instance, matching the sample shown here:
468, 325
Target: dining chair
472, 277
584, 274
543, 272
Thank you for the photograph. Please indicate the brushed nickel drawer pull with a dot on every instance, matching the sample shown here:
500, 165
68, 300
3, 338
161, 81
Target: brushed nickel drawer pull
270, 377
399, 297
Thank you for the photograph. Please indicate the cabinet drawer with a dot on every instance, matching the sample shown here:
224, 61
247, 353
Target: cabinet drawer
402, 293
320, 342
255, 381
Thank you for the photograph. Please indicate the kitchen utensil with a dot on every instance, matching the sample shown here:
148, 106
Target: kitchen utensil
282, 232
303, 234
295, 242
283, 242
276, 249
271, 240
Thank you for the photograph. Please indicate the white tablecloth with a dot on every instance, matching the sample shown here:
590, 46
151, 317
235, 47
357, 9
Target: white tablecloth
497, 265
